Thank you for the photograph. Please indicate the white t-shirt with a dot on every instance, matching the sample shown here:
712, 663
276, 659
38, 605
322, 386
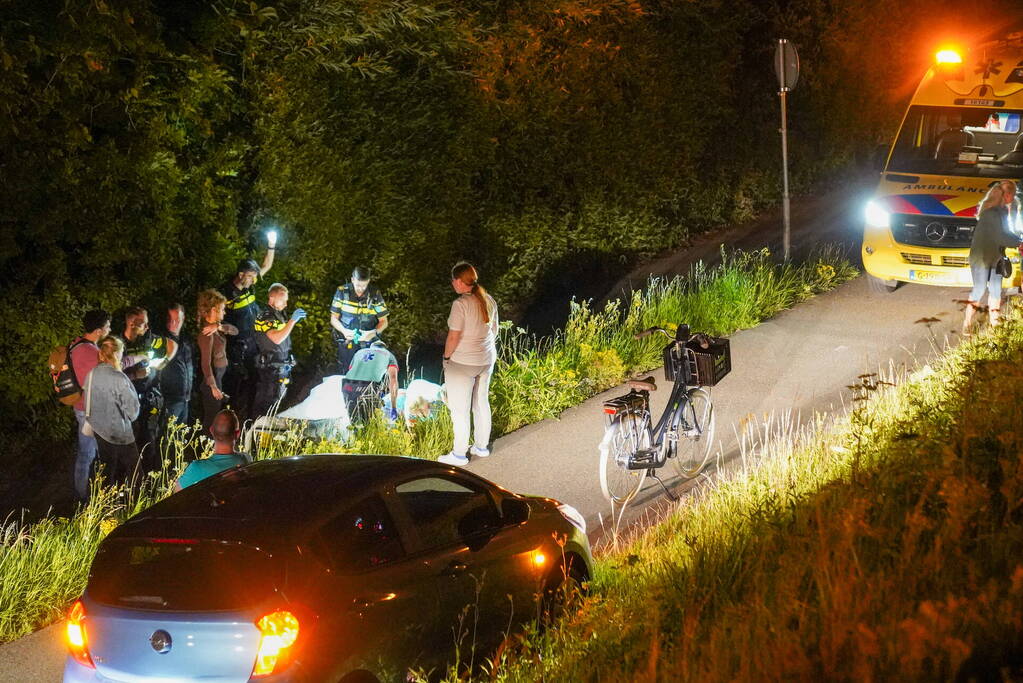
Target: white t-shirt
478, 345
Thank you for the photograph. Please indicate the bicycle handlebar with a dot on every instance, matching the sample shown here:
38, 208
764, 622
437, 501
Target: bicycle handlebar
681, 334
647, 332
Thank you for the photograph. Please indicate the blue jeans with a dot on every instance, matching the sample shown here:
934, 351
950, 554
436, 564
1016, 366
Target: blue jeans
986, 278
178, 407
83, 458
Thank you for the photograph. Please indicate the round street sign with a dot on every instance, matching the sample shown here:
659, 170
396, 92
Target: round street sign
786, 65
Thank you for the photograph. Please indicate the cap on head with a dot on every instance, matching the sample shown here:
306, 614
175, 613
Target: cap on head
247, 265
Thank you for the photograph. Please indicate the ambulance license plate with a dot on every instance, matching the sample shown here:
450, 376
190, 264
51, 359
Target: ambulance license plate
931, 276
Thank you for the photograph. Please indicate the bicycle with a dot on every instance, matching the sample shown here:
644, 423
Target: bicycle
632, 448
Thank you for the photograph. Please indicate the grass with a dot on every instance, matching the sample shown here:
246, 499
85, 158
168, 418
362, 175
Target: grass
44, 566
886, 545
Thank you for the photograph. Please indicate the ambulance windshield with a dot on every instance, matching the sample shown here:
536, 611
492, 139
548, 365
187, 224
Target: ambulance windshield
959, 141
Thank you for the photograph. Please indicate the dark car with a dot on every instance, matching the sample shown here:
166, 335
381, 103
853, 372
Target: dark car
322, 568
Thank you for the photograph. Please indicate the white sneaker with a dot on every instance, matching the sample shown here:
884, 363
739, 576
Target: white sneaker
453, 459
478, 452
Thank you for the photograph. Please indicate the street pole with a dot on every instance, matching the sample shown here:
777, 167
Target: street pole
787, 238
783, 93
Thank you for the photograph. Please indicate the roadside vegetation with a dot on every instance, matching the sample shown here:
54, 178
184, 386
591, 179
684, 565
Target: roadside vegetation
43, 566
884, 545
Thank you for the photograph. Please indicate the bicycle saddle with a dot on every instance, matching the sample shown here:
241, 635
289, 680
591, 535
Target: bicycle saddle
645, 384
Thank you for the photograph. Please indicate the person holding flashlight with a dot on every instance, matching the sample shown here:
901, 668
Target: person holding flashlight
145, 353
240, 312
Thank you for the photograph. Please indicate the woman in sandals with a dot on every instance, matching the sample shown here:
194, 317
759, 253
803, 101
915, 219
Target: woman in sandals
990, 238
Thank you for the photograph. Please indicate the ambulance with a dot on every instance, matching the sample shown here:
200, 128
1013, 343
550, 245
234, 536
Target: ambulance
960, 134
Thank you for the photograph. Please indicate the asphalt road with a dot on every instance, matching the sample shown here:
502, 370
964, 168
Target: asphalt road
797, 364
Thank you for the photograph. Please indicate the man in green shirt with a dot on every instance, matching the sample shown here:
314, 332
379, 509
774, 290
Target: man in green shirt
225, 430
370, 366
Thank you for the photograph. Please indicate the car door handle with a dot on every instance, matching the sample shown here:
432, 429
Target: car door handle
454, 568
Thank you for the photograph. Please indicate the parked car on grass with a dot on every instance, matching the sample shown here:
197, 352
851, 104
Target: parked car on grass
322, 568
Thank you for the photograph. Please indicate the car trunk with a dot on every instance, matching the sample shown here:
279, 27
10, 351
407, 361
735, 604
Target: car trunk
177, 608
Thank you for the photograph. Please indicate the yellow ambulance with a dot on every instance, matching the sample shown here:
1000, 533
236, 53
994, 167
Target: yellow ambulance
960, 134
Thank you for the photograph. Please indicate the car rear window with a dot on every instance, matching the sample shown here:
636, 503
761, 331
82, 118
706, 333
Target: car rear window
181, 575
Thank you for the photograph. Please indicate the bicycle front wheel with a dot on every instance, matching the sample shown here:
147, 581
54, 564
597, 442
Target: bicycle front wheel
695, 434
623, 437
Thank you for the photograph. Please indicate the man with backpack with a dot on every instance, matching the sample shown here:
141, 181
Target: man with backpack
83, 354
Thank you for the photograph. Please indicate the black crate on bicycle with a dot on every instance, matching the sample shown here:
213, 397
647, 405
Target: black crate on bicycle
703, 367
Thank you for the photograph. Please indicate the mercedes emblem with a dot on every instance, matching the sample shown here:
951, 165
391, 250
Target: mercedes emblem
161, 642
935, 232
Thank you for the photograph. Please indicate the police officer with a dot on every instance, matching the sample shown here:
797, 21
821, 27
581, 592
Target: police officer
144, 354
358, 315
241, 312
273, 339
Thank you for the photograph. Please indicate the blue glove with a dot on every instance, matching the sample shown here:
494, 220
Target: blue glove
391, 413
299, 314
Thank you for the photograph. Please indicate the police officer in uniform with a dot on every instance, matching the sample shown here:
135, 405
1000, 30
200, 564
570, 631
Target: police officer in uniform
358, 315
241, 312
144, 354
273, 339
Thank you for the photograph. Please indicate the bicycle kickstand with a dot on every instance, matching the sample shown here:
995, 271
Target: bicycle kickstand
671, 496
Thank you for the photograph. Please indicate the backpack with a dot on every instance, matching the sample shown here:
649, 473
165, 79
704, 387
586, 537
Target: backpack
65, 384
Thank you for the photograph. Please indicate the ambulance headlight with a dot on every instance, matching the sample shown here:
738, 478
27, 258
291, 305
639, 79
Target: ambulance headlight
876, 216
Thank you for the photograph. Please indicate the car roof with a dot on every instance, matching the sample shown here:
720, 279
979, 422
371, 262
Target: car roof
272, 502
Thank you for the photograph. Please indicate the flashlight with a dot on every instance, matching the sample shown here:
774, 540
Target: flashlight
271, 238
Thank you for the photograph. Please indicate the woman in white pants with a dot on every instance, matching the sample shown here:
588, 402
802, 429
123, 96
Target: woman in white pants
469, 355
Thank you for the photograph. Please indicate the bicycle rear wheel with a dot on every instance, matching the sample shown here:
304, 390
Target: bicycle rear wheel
622, 438
695, 434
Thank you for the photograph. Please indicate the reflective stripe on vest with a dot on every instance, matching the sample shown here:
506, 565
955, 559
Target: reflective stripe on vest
242, 301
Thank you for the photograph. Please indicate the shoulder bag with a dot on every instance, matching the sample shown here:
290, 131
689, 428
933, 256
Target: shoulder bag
1004, 267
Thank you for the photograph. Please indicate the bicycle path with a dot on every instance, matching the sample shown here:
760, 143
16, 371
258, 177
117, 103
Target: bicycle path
793, 366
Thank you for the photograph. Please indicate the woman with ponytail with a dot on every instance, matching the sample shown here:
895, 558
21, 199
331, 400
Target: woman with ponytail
996, 216
469, 355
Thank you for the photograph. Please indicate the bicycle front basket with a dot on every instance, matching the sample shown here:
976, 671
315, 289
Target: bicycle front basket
708, 366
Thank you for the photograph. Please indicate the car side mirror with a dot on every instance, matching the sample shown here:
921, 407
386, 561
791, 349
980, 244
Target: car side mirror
514, 511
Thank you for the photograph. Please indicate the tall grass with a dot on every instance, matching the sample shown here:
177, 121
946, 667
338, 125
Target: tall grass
538, 379
885, 546
43, 567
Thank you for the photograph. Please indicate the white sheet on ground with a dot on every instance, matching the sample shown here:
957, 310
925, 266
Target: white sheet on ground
323, 403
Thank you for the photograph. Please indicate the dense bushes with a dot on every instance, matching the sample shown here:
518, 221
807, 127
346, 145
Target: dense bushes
145, 145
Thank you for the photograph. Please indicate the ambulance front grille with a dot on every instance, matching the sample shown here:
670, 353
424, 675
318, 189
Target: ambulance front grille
918, 230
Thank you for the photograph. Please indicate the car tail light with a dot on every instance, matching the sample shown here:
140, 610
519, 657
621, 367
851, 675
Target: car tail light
278, 631
77, 642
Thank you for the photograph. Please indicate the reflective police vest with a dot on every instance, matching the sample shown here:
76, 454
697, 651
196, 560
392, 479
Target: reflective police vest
358, 312
271, 319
